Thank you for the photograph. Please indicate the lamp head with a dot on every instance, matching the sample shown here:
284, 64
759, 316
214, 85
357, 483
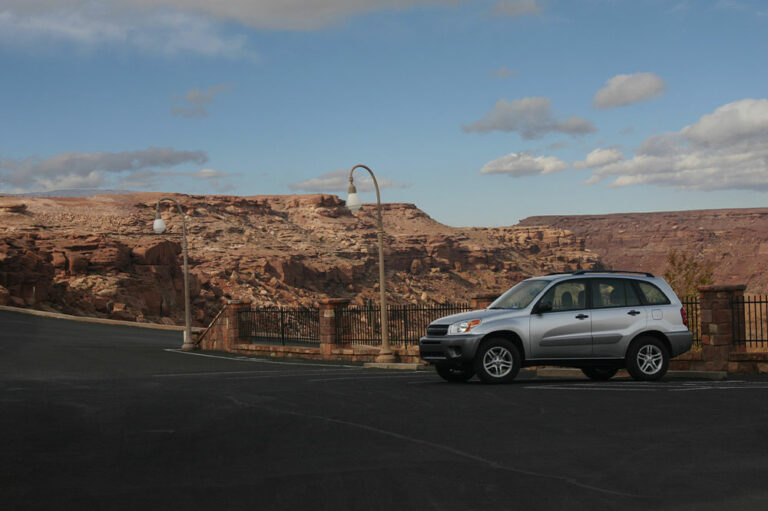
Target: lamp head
159, 225
353, 200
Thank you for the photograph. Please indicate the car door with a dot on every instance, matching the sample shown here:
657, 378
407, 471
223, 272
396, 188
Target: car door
565, 330
617, 316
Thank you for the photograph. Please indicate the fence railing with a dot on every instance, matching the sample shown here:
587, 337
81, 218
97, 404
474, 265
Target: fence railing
750, 321
693, 309
280, 326
406, 323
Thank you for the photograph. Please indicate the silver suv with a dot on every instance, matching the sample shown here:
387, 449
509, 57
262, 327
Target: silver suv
599, 322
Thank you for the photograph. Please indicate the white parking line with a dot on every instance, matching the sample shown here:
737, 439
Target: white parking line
280, 374
256, 372
599, 389
258, 360
744, 387
654, 386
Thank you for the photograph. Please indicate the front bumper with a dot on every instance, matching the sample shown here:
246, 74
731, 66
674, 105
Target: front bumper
447, 350
680, 342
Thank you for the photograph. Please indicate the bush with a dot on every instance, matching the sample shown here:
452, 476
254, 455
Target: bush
685, 272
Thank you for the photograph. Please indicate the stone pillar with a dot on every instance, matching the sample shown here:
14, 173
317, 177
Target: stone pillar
483, 300
328, 308
717, 326
231, 323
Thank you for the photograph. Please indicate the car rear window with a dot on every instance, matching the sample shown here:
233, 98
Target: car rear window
613, 293
653, 295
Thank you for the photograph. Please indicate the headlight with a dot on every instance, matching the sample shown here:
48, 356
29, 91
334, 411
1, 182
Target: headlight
462, 327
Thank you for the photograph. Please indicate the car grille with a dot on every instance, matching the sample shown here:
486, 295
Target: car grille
437, 329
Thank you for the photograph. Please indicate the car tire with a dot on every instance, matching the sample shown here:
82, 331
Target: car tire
497, 361
600, 373
647, 359
455, 374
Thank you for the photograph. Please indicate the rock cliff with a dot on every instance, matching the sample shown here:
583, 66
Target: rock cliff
735, 239
98, 256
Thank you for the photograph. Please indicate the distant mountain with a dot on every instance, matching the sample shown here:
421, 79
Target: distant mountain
76, 192
736, 240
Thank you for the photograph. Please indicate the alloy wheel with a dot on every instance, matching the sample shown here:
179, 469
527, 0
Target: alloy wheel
498, 361
650, 359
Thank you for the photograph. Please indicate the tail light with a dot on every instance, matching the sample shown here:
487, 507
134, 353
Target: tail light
684, 315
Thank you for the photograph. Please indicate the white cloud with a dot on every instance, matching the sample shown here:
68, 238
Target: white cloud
260, 14
93, 25
338, 181
516, 8
289, 14
531, 117
524, 164
727, 149
209, 174
194, 103
503, 72
153, 178
626, 89
75, 170
599, 157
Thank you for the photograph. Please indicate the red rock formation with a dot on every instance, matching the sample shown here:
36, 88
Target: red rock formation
735, 239
25, 274
99, 256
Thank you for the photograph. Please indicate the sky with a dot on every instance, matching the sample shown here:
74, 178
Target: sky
481, 113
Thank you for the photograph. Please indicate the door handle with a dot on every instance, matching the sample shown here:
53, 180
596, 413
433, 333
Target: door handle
582, 316
633, 313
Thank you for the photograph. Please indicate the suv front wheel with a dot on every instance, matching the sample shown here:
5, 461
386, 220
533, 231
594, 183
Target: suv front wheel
647, 359
497, 361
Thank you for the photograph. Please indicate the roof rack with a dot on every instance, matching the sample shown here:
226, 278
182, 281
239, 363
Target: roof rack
582, 272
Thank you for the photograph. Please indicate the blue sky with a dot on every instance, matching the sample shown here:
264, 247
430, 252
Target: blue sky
479, 112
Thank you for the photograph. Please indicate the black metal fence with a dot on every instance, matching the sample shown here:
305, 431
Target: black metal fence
750, 321
693, 309
406, 323
279, 326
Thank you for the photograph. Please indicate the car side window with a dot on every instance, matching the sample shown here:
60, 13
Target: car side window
613, 293
566, 296
653, 295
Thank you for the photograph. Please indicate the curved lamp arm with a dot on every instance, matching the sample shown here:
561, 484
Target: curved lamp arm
353, 203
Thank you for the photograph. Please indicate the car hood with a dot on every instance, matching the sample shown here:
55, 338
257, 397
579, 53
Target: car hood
483, 314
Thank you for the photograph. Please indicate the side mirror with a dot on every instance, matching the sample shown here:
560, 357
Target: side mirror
542, 307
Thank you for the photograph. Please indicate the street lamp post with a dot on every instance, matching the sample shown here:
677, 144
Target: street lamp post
159, 227
353, 203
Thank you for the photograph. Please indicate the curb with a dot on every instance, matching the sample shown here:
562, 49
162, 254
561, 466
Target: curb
698, 375
396, 365
570, 373
102, 321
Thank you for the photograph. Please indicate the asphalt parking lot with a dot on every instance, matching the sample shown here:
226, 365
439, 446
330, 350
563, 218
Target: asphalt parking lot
104, 417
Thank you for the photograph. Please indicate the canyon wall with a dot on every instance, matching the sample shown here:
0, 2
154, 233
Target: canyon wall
735, 239
98, 256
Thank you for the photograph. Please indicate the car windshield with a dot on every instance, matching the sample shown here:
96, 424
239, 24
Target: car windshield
520, 295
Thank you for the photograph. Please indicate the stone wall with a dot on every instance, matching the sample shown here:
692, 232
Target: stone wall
716, 353
718, 333
223, 335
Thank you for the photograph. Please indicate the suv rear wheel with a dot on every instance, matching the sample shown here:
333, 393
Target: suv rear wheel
647, 359
455, 374
497, 361
600, 373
